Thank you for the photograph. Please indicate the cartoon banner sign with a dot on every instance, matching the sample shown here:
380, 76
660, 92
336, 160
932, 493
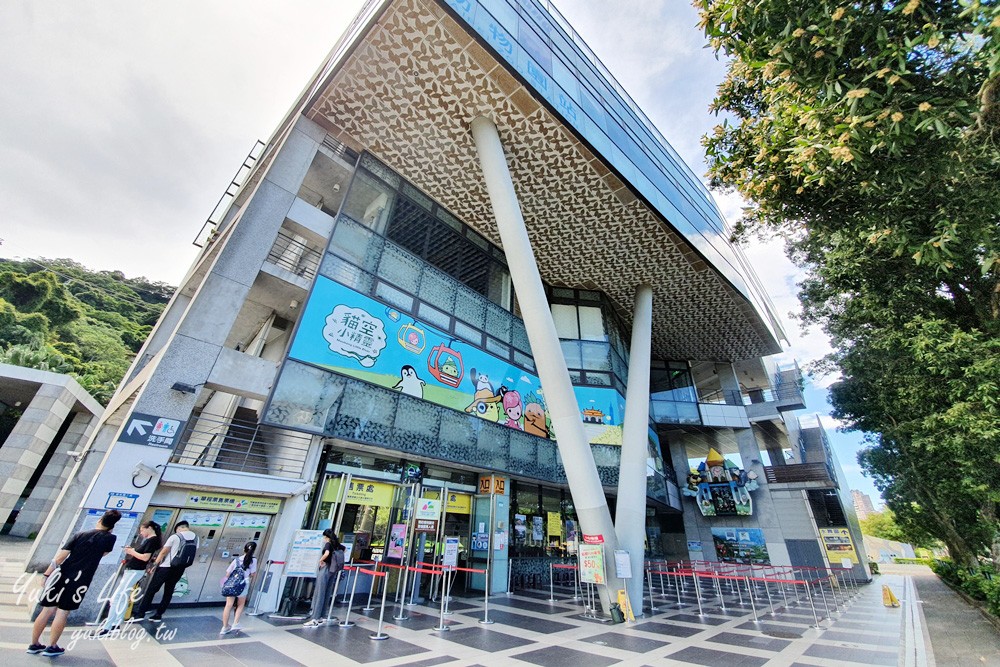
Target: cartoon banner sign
351, 334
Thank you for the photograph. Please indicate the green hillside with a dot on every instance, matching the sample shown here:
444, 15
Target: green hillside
57, 315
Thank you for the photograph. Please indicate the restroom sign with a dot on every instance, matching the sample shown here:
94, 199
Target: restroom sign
492, 484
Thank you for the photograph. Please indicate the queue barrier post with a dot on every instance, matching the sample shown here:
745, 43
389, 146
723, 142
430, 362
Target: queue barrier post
371, 589
401, 616
552, 591
486, 598
697, 590
649, 585
379, 635
442, 626
333, 599
750, 595
346, 623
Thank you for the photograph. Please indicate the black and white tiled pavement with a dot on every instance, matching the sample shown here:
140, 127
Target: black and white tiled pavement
527, 629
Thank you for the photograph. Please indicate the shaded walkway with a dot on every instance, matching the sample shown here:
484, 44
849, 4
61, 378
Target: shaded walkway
959, 635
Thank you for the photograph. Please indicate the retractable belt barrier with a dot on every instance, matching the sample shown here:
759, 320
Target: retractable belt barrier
803, 582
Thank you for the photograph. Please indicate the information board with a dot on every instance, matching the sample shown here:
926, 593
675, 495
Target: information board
592, 563
303, 560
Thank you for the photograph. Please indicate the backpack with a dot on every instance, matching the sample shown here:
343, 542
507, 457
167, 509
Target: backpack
337, 561
185, 555
234, 584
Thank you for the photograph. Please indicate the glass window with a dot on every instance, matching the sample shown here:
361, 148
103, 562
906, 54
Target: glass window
400, 268
344, 273
566, 322
595, 356
369, 202
433, 316
498, 322
438, 289
393, 296
497, 348
571, 352
357, 244
468, 334
470, 307
305, 397
591, 323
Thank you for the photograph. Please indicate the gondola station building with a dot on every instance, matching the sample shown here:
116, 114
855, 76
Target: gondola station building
465, 277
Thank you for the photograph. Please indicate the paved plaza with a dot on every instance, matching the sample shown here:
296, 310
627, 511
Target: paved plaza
528, 629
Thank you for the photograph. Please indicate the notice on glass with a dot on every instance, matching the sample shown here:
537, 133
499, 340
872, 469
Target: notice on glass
591, 561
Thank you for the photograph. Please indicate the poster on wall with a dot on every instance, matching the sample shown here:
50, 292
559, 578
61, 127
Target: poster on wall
352, 334
838, 545
554, 524
520, 527
537, 528
741, 545
397, 537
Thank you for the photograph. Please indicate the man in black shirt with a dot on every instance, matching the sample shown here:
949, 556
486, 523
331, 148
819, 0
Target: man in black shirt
72, 571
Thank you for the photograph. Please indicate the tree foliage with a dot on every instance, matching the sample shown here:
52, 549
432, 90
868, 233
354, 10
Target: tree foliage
866, 134
57, 315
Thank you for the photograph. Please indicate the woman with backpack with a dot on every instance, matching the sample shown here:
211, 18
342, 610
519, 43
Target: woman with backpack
331, 563
235, 586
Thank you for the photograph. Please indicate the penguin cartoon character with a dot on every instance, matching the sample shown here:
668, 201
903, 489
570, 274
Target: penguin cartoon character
409, 383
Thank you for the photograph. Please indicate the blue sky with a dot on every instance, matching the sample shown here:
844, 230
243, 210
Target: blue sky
127, 119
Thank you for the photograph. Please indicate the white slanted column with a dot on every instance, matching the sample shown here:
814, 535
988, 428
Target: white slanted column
574, 448
630, 512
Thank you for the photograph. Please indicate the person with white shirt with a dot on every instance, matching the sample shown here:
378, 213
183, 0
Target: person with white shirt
168, 570
235, 586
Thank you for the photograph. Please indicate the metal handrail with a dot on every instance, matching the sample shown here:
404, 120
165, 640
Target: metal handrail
213, 441
295, 256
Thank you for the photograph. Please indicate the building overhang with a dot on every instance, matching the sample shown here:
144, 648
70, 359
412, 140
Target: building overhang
406, 87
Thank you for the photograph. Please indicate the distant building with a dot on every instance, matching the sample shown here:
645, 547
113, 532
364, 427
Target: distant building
862, 504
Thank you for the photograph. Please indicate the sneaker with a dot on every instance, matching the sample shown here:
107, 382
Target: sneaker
35, 648
312, 623
225, 630
156, 618
53, 651
236, 628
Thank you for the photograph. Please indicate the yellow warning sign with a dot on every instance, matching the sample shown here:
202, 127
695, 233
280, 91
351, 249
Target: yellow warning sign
625, 605
888, 599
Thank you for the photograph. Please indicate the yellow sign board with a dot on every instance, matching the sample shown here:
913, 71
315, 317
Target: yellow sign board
555, 524
458, 503
492, 484
233, 503
838, 545
360, 492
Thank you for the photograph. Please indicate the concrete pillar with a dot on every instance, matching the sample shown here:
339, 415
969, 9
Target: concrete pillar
31, 438
574, 449
51, 483
630, 512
